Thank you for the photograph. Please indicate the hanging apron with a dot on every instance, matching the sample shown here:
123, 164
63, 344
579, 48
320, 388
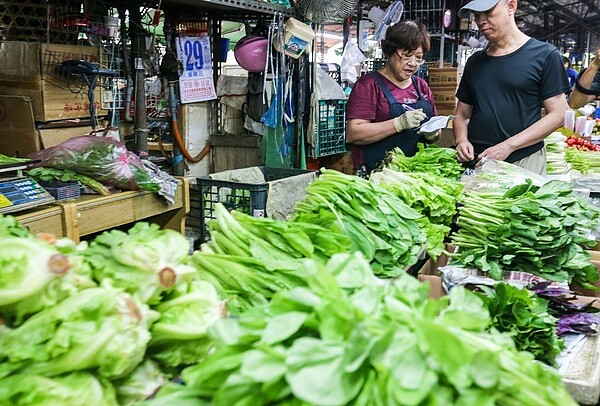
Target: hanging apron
406, 140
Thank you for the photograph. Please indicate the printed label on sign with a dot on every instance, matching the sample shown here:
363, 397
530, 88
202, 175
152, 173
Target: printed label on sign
196, 83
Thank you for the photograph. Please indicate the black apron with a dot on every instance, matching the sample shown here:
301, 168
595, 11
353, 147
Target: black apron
406, 140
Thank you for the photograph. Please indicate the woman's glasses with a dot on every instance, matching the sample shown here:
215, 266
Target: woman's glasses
414, 59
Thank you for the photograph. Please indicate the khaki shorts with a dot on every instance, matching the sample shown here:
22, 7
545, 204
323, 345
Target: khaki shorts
535, 162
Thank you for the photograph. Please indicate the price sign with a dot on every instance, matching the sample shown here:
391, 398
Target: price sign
196, 83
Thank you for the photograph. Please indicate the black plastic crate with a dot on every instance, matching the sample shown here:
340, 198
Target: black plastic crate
248, 198
330, 128
62, 190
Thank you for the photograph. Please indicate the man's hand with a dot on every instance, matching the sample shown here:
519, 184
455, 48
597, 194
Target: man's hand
498, 152
465, 151
410, 119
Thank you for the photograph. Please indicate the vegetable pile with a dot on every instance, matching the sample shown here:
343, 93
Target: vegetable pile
431, 195
382, 227
435, 160
529, 228
344, 340
101, 158
525, 316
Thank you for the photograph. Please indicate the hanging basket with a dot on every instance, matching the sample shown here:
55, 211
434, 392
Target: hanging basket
325, 11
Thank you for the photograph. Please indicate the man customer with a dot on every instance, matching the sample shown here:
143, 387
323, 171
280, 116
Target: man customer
587, 87
503, 90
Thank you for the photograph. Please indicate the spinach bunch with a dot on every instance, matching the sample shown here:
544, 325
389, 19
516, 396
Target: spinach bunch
344, 340
382, 227
525, 316
529, 228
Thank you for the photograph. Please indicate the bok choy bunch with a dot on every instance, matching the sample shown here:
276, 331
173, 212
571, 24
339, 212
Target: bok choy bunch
335, 343
529, 229
382, 227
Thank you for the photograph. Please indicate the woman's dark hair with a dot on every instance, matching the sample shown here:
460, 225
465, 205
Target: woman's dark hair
406, 35
567, 61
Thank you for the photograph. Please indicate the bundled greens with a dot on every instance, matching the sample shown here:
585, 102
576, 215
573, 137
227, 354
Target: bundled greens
525, 316
528, 229
145, 261
338, 344
246, 282
65, 175
98, 328
435, 160
274, 242
75, 389
382, 227
179, 336
102, 158
431, 195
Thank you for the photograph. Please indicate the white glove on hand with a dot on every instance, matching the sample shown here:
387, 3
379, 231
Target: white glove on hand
410, 119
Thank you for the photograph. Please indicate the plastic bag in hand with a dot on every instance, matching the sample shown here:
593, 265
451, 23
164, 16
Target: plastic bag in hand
101, 158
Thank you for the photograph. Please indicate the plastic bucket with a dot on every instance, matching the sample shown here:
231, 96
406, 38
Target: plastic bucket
296, 38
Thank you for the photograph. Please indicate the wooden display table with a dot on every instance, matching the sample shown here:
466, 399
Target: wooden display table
91, 213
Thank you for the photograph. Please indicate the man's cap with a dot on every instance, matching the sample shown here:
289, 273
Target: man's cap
476, 5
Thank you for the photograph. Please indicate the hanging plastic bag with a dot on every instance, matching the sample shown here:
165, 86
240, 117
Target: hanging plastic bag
327, 87
352, 58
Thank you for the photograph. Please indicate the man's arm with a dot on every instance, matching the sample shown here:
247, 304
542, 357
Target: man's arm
579, 99
464, 149
555, 117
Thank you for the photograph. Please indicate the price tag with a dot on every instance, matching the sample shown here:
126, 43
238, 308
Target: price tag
196, 83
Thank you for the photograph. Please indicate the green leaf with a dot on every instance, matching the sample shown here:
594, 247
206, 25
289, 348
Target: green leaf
283, 326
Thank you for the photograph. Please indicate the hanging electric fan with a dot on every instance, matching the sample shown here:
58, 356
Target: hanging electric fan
325, 11
391, 17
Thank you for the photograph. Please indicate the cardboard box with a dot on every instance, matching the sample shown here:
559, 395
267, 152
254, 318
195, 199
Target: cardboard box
18, 135
444, 95
429, 273
54, 136
443, 77
445, 109
35, 70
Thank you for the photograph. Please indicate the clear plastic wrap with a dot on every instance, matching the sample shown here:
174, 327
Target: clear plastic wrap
101, 158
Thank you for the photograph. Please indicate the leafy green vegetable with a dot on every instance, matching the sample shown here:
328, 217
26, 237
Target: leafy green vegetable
65, 175
141, 384
434, 160
176, 395
375, 345
382, 227
274, 242
431, 195
179, 337
35, 275
244, 281
73, 389
529, 228
10, 227
524, 315
144, 261
97, 328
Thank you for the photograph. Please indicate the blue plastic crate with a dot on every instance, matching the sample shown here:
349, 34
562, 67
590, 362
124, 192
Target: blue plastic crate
330, 128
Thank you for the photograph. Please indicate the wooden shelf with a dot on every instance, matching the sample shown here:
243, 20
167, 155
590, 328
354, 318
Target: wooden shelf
91, 214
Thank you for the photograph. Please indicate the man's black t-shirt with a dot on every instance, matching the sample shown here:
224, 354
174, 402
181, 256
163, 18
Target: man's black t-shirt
594, 89
507, 93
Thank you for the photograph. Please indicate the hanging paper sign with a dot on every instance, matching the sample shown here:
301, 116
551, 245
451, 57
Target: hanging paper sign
196, 82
